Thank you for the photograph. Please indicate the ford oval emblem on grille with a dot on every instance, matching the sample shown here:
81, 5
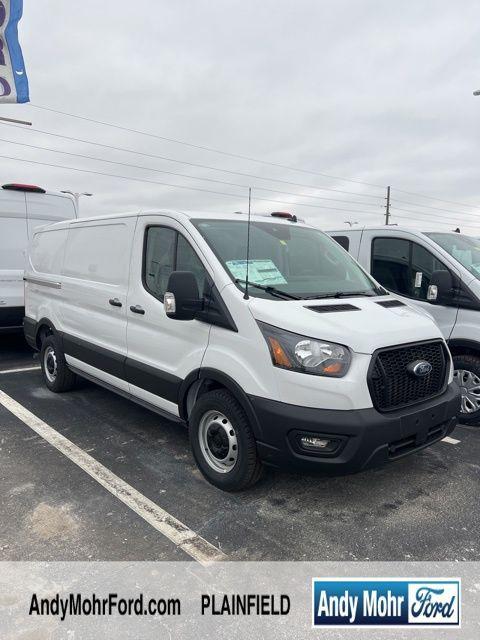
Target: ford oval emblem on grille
419, 368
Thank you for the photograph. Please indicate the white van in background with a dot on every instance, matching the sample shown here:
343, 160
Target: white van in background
315, 367
23, 208
440, 273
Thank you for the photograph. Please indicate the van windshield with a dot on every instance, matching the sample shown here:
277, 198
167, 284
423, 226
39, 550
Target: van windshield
464, 249
284, 258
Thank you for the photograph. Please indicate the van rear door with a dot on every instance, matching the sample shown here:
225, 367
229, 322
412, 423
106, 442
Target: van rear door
47, 208
13, 240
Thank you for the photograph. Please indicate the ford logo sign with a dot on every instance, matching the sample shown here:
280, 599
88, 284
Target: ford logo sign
420, 368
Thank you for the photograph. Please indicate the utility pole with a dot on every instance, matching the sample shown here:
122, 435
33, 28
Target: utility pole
387, 207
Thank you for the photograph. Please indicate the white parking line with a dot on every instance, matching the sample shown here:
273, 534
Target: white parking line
449, 440
178, 533
20, 370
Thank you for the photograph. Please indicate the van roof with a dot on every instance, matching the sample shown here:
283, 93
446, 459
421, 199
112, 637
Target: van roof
185, 215
386, 229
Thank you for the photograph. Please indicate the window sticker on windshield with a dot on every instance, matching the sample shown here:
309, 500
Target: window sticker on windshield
418, 279
259, 271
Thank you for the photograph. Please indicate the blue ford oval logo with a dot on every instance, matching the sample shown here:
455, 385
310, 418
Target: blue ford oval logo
420, 368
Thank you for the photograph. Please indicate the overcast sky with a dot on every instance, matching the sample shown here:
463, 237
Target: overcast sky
378, 92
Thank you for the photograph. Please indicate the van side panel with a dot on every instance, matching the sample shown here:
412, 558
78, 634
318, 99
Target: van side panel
95, 274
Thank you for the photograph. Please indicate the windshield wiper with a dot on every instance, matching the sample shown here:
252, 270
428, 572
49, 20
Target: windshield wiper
342, 294
273, 291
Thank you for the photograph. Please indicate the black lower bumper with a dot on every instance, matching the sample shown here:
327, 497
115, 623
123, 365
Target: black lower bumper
11, 318
363, 437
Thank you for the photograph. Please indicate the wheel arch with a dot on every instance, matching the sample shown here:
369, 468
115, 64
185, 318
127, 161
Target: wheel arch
204, 380
45, 327
460, 347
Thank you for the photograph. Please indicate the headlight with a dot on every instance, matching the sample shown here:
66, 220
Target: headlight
307, 355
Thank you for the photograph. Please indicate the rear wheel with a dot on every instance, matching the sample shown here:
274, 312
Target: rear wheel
56, 373
467, 376
223, 443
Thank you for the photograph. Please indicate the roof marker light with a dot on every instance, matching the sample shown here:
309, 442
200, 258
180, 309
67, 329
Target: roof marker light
285, 215
30, 188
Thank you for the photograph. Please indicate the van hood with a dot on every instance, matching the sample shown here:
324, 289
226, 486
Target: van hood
360, 323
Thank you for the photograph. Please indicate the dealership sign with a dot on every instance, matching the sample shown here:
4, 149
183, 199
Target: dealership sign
13, 77
392, 602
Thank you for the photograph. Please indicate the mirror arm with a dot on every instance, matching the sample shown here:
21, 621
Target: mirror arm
194, 305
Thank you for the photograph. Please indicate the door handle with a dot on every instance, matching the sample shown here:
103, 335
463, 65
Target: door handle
138, 309
115, 302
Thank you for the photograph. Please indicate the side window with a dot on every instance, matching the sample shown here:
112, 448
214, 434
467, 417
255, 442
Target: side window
167, 251
391, 264
424, 264
187, 260
159, 259
343, 241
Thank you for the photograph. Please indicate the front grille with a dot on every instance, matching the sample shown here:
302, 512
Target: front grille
392, 386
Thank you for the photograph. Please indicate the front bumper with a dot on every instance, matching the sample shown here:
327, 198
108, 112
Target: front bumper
368, 437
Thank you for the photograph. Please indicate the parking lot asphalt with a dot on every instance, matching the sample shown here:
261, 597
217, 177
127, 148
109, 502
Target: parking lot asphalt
424, 507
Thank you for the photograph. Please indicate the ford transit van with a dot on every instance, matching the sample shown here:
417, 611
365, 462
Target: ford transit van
295, 358
439, 272
23, 208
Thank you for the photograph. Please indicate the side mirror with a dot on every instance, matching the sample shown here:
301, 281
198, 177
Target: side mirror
440, 289
182, 299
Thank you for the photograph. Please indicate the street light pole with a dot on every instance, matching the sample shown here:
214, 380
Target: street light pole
76, 197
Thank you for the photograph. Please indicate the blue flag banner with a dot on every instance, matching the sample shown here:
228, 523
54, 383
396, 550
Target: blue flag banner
13, 77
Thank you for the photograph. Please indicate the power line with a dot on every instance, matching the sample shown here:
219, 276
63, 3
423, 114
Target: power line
242, 157
197, 165
411, 193
435, 215
203, 148
182, 175
420, 219
178, 186
426, 206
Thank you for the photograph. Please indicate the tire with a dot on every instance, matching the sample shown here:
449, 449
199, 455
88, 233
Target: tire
467, 376
223, 443
56, 374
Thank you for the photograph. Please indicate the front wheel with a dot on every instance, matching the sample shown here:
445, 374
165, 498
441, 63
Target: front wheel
467, 376
223, 443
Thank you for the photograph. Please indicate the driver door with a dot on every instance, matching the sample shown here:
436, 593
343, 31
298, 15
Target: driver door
405, 267
161, 352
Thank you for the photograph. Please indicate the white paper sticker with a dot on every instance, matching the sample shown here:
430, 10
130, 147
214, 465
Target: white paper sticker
259, 271
418, 279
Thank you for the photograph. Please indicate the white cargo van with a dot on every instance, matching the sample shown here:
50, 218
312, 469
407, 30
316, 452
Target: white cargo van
23, 208
440, 273
314, 367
